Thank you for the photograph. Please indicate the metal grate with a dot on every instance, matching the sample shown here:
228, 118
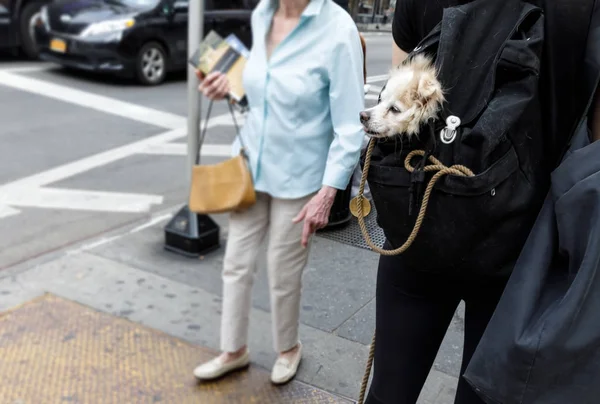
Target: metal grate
351, 234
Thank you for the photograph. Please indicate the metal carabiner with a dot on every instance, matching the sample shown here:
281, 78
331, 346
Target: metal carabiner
448, 134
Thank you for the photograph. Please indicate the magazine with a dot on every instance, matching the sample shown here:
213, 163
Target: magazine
227, 55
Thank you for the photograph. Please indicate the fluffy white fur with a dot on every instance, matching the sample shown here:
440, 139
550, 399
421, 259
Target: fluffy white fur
411, 97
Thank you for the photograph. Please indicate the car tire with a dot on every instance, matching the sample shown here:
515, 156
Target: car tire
151, 64
28, 44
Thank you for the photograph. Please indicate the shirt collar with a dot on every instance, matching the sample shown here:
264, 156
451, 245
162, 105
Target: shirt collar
313, 8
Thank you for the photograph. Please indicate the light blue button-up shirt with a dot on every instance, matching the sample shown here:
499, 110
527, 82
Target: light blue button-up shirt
303, 129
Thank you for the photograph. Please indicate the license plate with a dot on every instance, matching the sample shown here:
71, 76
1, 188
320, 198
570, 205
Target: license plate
58, 45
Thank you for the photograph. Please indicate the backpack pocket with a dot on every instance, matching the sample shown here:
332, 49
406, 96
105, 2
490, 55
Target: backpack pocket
471, 223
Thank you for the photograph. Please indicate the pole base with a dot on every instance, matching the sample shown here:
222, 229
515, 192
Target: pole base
191, 234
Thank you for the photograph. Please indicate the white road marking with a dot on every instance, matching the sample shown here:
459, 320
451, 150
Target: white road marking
29, 191
375, 34
87, 163
6, 211
32, 191
100, 159
376, 79
180, 149
83, 200
152, 222
35, 67
86, 99
94, 244
105, 240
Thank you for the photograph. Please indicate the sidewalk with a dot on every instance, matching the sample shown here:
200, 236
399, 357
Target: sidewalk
173, 307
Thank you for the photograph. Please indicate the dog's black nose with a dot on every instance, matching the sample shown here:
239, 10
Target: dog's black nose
364, 116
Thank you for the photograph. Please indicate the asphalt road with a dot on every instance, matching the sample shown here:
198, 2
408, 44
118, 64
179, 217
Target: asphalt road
82, 155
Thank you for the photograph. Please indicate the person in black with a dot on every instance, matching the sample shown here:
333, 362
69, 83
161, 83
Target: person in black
414, 308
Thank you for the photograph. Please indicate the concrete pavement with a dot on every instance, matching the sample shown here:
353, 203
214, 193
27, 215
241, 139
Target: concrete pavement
128, 274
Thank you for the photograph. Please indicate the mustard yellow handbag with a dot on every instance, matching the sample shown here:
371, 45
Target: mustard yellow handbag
223, 187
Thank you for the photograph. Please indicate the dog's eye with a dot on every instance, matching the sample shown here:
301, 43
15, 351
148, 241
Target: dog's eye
395, 109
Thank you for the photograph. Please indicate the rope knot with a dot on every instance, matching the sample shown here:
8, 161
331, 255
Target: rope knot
435, 166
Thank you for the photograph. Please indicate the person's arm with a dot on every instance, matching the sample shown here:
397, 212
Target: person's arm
346, 99
398, 55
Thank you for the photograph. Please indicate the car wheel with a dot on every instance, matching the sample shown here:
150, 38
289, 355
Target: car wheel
151, 67
26, 24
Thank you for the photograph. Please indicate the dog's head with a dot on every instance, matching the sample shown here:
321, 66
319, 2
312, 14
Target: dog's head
412, 96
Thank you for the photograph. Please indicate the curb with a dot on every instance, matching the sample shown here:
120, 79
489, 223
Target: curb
382, 31
374, 27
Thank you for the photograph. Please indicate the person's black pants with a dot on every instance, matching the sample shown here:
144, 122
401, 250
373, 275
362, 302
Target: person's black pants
414, 310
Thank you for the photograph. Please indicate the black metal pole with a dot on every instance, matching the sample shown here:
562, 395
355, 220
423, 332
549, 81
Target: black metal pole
188, 233
375, 5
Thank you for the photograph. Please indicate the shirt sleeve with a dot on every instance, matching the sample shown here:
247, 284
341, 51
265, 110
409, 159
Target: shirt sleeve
346, 98
403, 29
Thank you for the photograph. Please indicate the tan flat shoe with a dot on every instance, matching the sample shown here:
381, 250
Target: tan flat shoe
284, 370
215, 368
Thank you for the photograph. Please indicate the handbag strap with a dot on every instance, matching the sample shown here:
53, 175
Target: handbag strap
203, 131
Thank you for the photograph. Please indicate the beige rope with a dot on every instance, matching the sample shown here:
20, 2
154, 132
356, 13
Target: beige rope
442, 170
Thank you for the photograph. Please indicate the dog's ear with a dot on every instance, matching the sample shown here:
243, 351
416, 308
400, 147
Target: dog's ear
428, 88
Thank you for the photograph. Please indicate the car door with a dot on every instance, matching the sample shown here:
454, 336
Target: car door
5, 23
179, 22
223, 16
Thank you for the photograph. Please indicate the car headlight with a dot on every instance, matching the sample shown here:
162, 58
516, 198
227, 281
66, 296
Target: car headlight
107, 27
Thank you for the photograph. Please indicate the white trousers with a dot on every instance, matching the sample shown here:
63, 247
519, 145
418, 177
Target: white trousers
286, 259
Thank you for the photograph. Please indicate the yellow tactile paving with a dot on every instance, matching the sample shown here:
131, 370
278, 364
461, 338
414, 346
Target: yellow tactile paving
56, 351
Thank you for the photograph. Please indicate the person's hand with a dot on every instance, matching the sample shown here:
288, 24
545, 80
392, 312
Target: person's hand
316, 213
215, 86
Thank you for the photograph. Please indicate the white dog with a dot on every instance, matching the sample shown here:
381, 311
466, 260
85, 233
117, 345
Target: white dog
412, 96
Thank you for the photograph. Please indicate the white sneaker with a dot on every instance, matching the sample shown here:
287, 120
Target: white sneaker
284, 370
215, 368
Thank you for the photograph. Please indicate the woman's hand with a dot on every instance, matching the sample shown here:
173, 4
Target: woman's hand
316, 212
215, 86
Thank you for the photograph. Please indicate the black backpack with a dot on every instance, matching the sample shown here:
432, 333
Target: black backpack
489, 55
